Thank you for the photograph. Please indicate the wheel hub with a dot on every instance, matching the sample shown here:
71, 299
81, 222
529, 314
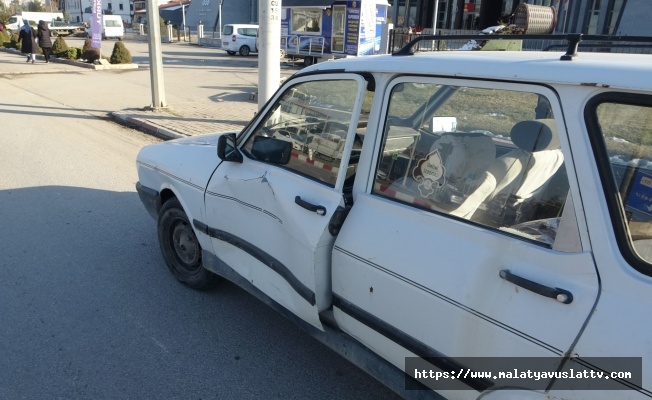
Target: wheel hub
185, 245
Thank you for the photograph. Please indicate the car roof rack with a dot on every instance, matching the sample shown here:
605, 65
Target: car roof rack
573, 41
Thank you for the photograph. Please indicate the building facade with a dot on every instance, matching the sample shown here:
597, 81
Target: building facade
233, 12
80, 10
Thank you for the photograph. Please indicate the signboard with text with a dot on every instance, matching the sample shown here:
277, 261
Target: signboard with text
96, 24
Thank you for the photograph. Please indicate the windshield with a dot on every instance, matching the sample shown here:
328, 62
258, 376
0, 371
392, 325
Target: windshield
112, 23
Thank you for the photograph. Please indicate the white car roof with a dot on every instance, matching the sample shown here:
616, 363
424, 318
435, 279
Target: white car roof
627, 71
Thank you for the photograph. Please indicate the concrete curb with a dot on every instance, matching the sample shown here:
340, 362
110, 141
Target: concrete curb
76, 63
145, 126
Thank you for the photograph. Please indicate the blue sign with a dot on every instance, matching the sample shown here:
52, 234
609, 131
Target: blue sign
640, 195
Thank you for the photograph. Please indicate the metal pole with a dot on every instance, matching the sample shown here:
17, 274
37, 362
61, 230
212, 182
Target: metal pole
155, 57
269, 48
434, 18
183, 14
219, 18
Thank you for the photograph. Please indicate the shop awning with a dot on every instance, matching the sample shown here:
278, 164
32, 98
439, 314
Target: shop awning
307, 3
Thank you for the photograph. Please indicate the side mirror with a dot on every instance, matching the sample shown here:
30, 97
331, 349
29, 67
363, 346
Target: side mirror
227, 150
271, 150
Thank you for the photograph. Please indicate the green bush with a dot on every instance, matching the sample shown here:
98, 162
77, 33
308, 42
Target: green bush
4, 38
59, 46
88, 53
72, 53
120, 55
14, 42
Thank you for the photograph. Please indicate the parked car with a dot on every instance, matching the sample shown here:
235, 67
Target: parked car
484, 230
239, 38
298, 142
112, 27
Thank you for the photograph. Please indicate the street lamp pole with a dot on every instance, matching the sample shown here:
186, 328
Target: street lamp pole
183, 16
219, 17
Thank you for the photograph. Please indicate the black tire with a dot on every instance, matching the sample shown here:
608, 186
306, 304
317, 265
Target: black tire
308, 61
231, 53
244, 51
181, 249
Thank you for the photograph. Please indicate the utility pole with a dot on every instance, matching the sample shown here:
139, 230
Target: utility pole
219, 17
269, 47
155, 57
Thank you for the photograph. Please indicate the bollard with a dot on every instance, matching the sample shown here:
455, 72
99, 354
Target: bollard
169, 26
141, 29
200, 32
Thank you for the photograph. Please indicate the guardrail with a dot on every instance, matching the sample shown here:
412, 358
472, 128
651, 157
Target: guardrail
303, 45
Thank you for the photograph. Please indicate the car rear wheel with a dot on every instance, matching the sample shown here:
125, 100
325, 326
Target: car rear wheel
308, 61
181, 249
245, 50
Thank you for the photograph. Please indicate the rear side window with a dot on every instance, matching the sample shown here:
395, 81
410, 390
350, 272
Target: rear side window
227, 30
488, 156
624, 123
248, 32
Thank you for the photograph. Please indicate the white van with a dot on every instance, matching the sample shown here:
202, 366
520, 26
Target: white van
112, 27
239, 38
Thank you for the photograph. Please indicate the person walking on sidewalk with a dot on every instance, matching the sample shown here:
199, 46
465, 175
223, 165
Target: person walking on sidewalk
44, 40
27, 38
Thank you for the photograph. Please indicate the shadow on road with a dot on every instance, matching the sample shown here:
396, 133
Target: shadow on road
90, 311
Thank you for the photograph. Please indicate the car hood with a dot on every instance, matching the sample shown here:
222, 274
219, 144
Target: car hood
189, 160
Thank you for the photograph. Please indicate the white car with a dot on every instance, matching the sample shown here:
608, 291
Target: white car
490, 238
239, 38
112, 27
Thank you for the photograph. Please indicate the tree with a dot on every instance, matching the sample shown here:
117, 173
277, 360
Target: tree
120, 55
15, 7
35, 5
5, 14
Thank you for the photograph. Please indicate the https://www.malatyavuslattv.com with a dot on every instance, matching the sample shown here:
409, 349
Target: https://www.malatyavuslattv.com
445, 373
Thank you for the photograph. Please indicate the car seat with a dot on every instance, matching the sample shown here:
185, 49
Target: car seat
520, 174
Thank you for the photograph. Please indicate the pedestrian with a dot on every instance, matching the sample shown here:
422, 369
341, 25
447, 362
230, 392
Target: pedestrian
44, 40
27, 37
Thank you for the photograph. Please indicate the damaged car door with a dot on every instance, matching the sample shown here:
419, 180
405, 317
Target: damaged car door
268, 211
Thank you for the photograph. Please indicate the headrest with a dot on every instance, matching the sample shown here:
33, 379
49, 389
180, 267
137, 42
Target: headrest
535, 135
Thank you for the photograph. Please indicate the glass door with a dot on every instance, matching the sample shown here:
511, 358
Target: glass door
339, 18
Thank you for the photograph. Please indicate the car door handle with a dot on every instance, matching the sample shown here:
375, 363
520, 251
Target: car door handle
561, 295
321, 210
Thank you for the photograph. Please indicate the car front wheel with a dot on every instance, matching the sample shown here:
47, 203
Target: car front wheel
181, 249
244, 50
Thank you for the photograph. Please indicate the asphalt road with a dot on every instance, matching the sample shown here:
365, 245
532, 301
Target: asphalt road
88, 309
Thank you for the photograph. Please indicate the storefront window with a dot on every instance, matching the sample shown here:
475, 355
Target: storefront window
306, 20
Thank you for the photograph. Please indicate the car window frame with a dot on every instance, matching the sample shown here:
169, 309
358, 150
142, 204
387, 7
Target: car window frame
615, 206
246, 133
536, 88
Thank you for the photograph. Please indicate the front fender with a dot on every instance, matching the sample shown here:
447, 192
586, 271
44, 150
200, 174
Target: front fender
180, 168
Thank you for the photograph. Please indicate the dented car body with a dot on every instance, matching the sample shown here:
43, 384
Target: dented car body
480, 207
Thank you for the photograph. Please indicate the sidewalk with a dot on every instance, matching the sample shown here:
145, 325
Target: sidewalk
189, 119
176, 121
